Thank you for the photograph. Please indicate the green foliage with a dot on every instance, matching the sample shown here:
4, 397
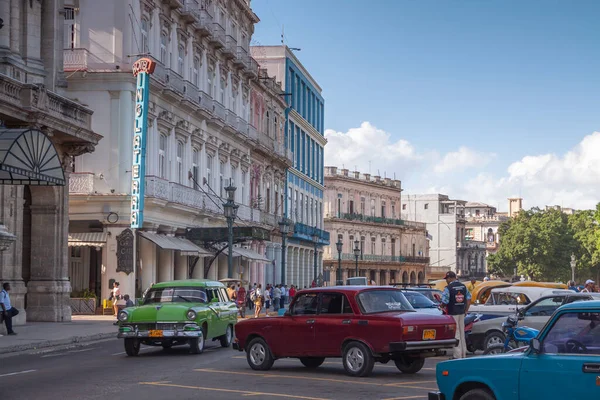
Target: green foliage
83, 294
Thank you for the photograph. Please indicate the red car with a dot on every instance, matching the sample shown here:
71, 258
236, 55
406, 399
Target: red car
361, 324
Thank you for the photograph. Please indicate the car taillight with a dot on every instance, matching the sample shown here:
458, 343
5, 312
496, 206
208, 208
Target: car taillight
408, 329
450, 328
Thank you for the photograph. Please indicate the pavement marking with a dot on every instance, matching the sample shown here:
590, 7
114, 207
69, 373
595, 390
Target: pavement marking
81, 351
242, 392
311, 378
336, 363
141, 349
18, 373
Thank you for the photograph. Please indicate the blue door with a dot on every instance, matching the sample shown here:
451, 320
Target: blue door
568, 366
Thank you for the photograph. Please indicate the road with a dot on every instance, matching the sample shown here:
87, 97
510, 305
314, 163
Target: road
103, 371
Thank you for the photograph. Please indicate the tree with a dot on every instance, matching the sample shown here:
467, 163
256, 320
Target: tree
586, 233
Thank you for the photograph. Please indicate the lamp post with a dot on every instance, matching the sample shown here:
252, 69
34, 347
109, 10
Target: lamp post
315, 238
338, 276
284, 228
573, 265
356, 255
230, 211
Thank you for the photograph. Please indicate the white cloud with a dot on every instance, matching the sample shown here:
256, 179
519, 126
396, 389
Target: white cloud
570, 179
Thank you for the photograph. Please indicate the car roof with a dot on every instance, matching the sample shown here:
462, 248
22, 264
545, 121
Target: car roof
188, 283
529, 290
592, 304
347, 289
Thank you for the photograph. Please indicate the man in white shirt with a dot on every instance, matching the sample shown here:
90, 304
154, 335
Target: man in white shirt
589, 286
8, 312
283, 294
276, 298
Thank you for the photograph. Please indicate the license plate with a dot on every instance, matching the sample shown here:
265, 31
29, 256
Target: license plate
429, 334
156, 333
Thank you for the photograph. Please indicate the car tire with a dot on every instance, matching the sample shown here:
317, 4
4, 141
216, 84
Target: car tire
258, 355
312, 362
478, 394
409, 365
493, 338
471, 348
132, 347
495, 349
167, 346
357, 359
227, 338
197, 344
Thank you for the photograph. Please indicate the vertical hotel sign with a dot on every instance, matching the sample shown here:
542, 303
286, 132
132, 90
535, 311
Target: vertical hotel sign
142, 69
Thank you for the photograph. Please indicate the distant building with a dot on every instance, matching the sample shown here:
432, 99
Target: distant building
515, 204
364, 209
568, 211
482, 225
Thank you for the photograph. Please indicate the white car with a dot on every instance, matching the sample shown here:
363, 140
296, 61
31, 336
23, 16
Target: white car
504, 301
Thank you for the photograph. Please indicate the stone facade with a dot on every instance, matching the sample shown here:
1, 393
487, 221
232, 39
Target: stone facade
366, 209
33, 96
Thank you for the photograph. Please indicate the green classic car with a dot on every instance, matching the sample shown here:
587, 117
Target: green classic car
179, 312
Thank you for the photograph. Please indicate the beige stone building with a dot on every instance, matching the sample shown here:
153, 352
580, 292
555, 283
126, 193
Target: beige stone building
42, 129
365, 209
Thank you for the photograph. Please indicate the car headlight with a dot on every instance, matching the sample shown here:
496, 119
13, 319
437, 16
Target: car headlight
191, 315
123, 316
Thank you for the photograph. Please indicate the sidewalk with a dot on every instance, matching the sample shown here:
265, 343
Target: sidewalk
38, 335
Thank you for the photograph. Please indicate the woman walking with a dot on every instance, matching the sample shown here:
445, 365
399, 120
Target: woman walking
258, 300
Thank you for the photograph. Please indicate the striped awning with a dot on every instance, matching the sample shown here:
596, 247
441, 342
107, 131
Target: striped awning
182, 245
249, 255
94, 239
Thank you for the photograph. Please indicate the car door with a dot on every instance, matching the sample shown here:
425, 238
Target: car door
333, 323
298, 328
228, 309
568, 364
214, 320
538, 313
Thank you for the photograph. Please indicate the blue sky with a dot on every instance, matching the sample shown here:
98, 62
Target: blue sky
484, 84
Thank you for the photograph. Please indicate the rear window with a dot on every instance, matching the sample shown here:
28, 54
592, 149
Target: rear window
376, 301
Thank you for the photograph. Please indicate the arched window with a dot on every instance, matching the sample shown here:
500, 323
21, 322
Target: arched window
180, 59
144, 29
180, 162
490, 235
196, 167
162, 162
164, 42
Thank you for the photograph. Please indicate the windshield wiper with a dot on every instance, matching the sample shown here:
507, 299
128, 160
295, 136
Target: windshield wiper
184, 298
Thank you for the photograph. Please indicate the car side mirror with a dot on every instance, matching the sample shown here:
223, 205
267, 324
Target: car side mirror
536, 345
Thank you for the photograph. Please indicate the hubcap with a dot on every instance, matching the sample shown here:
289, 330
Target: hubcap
201, 342
355, 359
494, 340
497, 351
257, 354
228, 334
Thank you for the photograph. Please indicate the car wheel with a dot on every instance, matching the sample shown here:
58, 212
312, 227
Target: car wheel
312, 362
471, 348
495, 349
478, 394
410, 365
197, 344
132, 347
227, 337
167, 346
358, 360
493, 338
259, 355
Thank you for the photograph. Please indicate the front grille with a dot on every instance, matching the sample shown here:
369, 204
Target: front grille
159, 326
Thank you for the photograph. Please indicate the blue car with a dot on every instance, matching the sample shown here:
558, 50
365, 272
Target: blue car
562, 363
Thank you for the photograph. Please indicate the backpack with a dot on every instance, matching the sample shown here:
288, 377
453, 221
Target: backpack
253, 295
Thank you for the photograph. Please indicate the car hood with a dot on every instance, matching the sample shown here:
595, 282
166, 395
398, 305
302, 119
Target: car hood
158, 312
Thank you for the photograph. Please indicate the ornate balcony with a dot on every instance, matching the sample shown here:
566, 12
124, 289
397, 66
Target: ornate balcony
204, 24
81, 183
386, 258
191, 95
218, 36
252, 69
305, 232
381, 220
230, 49
252, 132
219, 111
75, 60
206, 102
242, 57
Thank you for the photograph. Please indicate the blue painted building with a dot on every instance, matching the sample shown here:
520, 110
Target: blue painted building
304, 138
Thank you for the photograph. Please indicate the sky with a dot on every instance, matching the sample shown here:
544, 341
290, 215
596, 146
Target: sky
479, 100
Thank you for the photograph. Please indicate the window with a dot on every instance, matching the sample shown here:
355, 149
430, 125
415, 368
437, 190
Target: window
209, 167
210, 77
222, 91
305, 304
180, 162
372, 207
195, 167
545, 307
576, 333
180, 59
243, 185
351, 206
373, 240
404, 206
477, 213
393, 247
376, 301
176, 295
335, 303
383, 246
362, 246
426, 206
196, 72
69, 31
162, 162
144, 29
234, 101
362, 206
383, 209
393, 209
164, 40
222, 178
268, 117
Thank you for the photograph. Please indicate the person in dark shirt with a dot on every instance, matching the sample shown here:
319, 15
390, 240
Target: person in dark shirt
128, 302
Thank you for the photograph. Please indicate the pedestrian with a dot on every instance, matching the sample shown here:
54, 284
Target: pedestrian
257, 298
267, 297
456, 298
277, 298
572, 286
231, 292
8, 311
471, 285
589, 286
283, 295
241, 301
249, 297
292, 291
115, 296
128, 302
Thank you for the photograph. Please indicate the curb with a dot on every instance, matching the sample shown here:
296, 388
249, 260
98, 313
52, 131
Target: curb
56, 343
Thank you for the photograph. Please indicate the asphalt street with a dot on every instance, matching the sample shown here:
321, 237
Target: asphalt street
103, 371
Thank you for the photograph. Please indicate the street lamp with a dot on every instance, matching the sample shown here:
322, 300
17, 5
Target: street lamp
356, 255
573, 265
284, 229
338, 276
315, 238
230, 211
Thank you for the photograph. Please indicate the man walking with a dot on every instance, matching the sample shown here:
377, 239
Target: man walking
276, 298
457, 298
8, 312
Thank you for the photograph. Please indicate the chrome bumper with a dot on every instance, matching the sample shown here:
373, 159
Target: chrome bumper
423, 345
165, 334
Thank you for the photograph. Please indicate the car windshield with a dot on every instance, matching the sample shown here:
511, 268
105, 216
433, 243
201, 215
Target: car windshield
376, 301
418, 300
502, 298
176, 295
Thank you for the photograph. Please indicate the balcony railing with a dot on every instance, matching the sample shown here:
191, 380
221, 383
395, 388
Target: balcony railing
219, 110
252, 70
242, 126
381, 220
81, 183
231, 119
385, 258
303, 231
230, 46
242, 55
252, 132
266, 141
218, 35
75, 60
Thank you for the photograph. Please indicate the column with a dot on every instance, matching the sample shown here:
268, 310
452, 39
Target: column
5, 31
198, 272
148, 263
15, 25
262, 266
125, 143
297, 266
165, 265
344, 274
277, 272
387, 277
181, 266
173, 46
269, 278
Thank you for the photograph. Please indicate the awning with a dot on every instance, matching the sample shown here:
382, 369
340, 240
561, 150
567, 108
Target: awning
28, 157
249, 255
93, 239
183, 245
